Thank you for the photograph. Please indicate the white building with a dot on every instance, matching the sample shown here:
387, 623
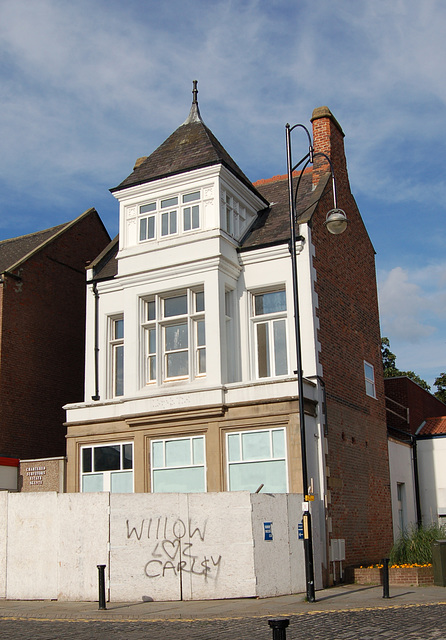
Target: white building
190, 349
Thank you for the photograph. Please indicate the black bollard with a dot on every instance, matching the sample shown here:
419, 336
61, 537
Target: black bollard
101, 571
386, 578
279, 626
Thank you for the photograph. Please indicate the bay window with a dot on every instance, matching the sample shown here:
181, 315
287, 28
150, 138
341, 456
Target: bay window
174, 336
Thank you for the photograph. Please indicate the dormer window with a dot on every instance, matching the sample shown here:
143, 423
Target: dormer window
167, 217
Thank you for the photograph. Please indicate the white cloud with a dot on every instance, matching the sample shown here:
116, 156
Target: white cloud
413, 311
401, 307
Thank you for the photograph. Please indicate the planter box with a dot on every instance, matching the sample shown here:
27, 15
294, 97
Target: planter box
411, 576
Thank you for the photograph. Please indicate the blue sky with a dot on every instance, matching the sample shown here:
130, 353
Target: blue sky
89, 86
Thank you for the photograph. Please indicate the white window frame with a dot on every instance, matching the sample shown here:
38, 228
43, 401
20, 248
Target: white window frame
115, 347
369, 376
147, 218
155, 335
230, 335
107, 475
191, 203
270, 320
228, 213
192, 465
233, 214
165, 217
246, 460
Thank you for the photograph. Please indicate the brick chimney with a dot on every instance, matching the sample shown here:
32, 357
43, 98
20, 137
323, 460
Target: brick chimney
328, 138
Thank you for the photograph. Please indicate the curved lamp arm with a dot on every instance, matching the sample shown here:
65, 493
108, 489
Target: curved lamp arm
336, 220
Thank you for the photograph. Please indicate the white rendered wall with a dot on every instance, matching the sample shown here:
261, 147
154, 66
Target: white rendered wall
162, 546
401, 471
279, 562
32, 542
432, 478
3, 538
82, 544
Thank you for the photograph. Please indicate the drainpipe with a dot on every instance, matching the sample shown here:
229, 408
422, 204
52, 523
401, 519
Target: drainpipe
96, 342
324, 400
323, 484
415, 467
417, 485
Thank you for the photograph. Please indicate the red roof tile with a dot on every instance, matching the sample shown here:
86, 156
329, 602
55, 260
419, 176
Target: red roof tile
434, 426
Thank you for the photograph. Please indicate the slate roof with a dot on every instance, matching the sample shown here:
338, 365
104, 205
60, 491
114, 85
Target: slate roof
105, 266
16, 250
273, 223
191, 146
434, 426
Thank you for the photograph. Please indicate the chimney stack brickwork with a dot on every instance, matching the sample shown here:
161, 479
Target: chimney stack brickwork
328, 138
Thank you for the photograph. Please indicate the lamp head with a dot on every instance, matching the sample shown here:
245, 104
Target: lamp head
336, 221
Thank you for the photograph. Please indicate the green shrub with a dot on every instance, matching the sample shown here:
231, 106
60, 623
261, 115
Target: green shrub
414, 545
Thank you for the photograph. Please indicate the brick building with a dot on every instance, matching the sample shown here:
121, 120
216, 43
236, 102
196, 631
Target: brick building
408, 404
417, 454
190, 360
42, 327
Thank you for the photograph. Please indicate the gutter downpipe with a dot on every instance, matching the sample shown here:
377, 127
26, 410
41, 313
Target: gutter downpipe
96, 342
323, 484
417, 485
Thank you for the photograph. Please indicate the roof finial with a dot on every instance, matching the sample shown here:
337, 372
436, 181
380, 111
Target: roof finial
194, 114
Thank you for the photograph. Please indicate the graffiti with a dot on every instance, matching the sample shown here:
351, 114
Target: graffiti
164, 528
176, 548
158, 568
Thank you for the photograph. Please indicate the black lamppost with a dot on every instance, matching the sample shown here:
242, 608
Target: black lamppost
336, 223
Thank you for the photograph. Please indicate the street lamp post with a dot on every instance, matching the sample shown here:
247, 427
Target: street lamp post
336, 222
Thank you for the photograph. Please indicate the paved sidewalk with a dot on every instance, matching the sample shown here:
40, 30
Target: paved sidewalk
339, 598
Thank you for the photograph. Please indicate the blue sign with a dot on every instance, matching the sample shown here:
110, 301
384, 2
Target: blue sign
268, 529
300, 530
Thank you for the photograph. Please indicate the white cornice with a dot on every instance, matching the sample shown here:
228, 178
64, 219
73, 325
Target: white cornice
276, 252
163, 274
177, 181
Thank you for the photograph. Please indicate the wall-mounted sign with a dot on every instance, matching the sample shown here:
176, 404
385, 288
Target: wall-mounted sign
268, 529
35, 474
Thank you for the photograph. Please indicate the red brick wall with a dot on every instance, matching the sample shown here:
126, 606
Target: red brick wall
419, 576
349, 334
421, 403
42, 340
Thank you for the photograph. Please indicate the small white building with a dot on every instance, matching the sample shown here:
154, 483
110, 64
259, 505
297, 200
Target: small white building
431, 445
